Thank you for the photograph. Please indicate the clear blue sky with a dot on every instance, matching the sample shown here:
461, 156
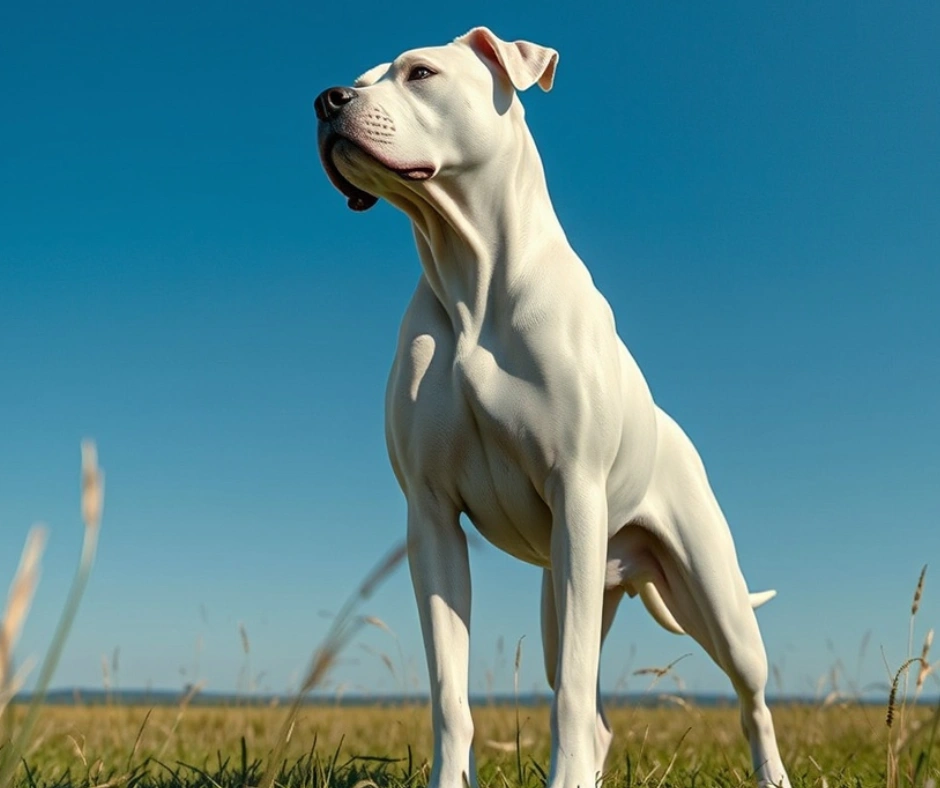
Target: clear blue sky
755, 187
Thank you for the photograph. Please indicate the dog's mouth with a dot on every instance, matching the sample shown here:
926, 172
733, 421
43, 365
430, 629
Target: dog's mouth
358, 199
413, 173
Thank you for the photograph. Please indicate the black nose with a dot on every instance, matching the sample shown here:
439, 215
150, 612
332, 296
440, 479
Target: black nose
329, 103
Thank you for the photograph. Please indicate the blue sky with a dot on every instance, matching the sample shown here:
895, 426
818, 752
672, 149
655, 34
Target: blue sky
755, 188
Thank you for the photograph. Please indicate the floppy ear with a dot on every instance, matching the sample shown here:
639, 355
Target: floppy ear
524, 63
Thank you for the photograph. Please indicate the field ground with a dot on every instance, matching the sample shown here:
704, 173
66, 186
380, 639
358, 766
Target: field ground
198, 747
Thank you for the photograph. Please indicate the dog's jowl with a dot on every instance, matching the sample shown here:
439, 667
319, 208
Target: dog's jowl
512, 399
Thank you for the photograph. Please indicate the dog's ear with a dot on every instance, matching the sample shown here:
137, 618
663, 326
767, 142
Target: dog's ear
523, 62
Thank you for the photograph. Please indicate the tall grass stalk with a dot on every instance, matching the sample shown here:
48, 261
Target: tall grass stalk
92, 502
902, 739
517, 664
18, 603
915, 606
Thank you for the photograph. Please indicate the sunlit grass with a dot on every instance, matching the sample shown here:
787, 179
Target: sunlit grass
836, 742
93, 745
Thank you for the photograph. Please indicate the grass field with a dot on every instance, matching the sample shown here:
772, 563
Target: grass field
829, 744
109, 746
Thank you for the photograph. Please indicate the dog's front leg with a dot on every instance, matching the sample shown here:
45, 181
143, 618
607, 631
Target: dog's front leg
440, 572
578, 552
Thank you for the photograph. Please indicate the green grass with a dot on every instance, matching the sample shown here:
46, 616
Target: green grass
82, 747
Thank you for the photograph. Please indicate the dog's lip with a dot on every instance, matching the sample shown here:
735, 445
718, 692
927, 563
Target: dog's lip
329, 138
419, 172
356, 198
411, 173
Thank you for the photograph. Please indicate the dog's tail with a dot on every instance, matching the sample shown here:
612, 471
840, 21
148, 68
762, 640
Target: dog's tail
653, 601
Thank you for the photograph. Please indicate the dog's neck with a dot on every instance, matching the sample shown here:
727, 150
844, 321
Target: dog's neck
487, 235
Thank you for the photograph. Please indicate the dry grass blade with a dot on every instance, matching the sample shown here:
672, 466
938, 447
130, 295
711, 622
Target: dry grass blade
140, 736
21, 590
508, 746
672, 761
517, 664
184, 704
14, 685
18, 602
679, 701
79, 749
658, 673
925, 666
387, 661
378, 623
385, 658
382, 571
374, 621
344, 627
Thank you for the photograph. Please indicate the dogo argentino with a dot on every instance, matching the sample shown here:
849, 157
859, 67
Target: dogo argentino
513, 400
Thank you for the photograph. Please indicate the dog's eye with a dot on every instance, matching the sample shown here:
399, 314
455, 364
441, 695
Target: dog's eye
419, 72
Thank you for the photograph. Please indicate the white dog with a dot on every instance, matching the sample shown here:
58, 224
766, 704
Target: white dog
513, 400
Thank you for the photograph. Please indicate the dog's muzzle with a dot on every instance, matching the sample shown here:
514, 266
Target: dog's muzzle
329, 106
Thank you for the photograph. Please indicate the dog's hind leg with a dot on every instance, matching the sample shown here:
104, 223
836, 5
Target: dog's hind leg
705, 590
602, 731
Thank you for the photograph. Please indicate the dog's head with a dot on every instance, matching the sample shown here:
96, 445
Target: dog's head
428, 114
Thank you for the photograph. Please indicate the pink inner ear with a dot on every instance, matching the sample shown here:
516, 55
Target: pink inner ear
482, 44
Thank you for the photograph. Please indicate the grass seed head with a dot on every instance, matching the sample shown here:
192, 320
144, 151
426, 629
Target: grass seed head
919, 591
18, 602
92, 486
23, 587
925, 666
375, 621
893, 694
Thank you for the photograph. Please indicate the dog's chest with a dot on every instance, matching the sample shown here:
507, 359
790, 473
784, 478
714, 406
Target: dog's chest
459, 421
507, 409
503, 480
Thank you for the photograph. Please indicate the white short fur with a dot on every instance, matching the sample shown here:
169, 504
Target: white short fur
513, 400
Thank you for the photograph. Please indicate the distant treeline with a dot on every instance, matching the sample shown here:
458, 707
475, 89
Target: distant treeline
154, 697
